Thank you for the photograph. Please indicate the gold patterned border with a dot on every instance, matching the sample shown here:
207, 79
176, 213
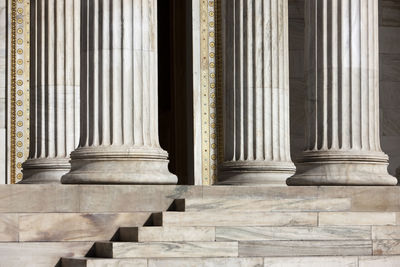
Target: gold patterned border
208, 91
19, 87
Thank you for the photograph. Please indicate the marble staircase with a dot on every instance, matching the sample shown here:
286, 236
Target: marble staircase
258, 231
199, 226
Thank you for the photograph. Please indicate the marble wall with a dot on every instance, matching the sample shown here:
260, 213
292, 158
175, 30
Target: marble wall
3, 92
389, 79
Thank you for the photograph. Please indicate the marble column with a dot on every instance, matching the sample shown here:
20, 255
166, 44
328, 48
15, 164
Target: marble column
119, 125
256, 82
342, 71
54, 89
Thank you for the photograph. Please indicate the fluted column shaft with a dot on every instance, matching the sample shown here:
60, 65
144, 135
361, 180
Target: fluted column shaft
119, 136
342, 70
256, 79
54, 91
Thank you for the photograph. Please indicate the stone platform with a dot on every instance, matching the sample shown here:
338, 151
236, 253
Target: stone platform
68, 225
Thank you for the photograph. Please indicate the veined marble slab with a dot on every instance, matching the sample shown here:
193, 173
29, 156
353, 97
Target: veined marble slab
386, 247
167, 234
39, 198
357, 218
130, 198
90, 198
166, 249
305, 248
207, 262
8, 227
76, 226
384, 261
292, 233
386, 232
239, 218
257, 192
221, 204
92, 262
311, 262
42, 254
366, 198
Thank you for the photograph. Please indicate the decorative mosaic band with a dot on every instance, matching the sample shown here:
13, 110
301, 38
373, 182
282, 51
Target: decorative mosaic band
208, 91
19, 89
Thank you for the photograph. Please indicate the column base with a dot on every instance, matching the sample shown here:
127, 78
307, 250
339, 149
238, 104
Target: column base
119, 165
255, 173
338, 168
44, 171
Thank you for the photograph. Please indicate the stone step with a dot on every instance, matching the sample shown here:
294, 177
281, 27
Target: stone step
39, 227
166, 262
228, 218
386, 232
119, 250
43, 254
358, 218
292, 233
363, 261
166, 234
213, 204
276, 218
259, 192
90, 198
326, 261
97, 262
305, 248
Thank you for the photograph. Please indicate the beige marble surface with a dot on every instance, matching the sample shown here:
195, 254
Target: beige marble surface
311, 262
227, 218
357, 218
167, 234
386, 232
214, 204
8, 227
76, 226
211, 262
386, 247
3, 91
42, 254
379, 261
90, 198
84, 262
166, 249
292, 233
304, 248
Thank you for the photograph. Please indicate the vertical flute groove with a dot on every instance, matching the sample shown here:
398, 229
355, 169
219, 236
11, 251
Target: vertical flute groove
55, 81
121, 60
53, 72
343, 65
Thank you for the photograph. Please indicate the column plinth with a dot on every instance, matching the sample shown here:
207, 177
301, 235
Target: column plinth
256, 104
342, 71
54, 89
119, 103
